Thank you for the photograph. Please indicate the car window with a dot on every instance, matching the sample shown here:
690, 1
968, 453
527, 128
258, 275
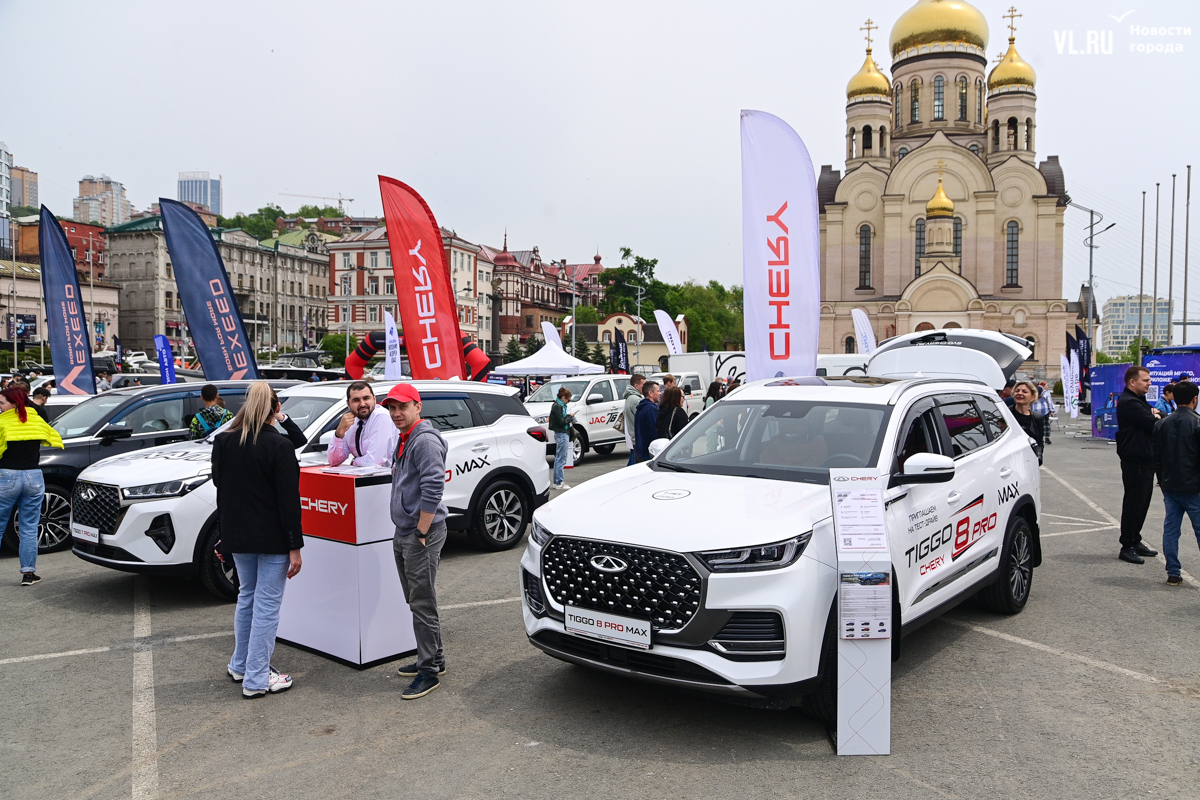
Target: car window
966, 427
447, 413
495, 406
993, 416
622, 385
154, 416
305, 410
81, 419
602, 388
693, 383
549, 391
921, 437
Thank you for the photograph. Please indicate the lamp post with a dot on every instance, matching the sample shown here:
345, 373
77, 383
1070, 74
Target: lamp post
1094, 217
641, 290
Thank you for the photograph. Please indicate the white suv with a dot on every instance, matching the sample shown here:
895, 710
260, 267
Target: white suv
596, 402
155, 509
720, 564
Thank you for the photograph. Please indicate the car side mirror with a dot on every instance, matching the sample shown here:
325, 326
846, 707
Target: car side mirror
924, 468
687, 390
111, 433
592, 399
323, 442
657, 446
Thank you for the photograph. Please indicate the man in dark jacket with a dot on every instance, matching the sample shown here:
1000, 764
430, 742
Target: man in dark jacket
1135, 448
1177, 464
418, 480
645, 421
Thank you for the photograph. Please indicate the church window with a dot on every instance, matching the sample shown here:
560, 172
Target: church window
958, 238
978, 102
1028, 134
914, 112
974, 148
902, 153
882, 141
995, 136
864, 257
851, 348
920, 244
939, 97
1012, 266
867, 142
962, 98
852, 144
896, 104
1011, 139
1029, 340
925, 326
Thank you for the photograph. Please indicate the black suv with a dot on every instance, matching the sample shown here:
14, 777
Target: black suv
109, 424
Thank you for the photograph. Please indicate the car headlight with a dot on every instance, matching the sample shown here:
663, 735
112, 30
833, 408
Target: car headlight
542, 420
767, 556
154, 491
539, 534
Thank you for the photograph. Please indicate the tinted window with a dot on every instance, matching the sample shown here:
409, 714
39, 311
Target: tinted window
993, 416
965, 425
165, 414
81, 419
495, 406
602, 388
447, 413
921, 437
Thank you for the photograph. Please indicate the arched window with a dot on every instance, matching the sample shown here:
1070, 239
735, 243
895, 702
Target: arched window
1011, 140
851, 348
868, 142
851, 144
958, 238
1012, 263
1029, 340
925, 326
962, 98
939, 97
902, 153
978, 102
914, 102
1028, 133
896, 92
607, 337
882, 141
974, 148
864, 257
632, 337
920, 249
995, 136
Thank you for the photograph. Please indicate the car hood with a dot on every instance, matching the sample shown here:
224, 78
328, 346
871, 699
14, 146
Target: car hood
685, 512
168, 463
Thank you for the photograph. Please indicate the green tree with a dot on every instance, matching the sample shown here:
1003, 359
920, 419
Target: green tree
620, 292
714, 313
319, 211
335, 345
512, 351
598, 356
260, 224
586, 315
532, 345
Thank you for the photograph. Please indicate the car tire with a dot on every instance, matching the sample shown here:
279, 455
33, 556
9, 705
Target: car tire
605, 449
54, 527
579, 445
219, 578
1014, 577
821, 705
503, 514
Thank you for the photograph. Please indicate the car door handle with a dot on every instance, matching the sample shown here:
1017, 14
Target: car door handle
1005, 472
953, 497
479, 448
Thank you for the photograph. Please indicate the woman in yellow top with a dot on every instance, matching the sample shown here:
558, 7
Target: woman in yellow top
22, 434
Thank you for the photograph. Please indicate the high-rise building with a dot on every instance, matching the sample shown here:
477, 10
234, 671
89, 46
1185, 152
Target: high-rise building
198, 187
24, 187
101, 200
6, 162
1120, 322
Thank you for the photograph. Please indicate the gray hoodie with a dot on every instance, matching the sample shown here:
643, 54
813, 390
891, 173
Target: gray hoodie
419, 478
631, 397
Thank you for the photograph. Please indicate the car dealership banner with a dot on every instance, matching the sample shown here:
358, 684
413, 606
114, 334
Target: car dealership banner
863, 331
1108, 381
213, 316
670, 333
392, 369
166, 358
1165, 369
69, 338
780, 250
424, 293
550, 334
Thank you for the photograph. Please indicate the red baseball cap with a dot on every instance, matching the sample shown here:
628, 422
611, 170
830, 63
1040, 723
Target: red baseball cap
403, 393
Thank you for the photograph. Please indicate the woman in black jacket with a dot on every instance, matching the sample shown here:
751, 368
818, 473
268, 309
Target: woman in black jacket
257, 476
1024, 394
671, 415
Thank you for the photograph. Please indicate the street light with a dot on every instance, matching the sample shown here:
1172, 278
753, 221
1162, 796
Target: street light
641, 290
1094, 217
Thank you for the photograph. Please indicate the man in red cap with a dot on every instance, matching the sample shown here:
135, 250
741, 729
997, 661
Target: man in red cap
418, 480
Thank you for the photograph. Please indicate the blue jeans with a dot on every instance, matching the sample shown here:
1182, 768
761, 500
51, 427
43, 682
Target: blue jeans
24, 489
561, 442
1177, 503
262, 576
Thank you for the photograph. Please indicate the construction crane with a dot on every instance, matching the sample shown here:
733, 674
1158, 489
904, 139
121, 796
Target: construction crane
340, 200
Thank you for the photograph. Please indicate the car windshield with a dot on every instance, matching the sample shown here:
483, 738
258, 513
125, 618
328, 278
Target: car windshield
81, 419
549, 392
786, 440
305, 409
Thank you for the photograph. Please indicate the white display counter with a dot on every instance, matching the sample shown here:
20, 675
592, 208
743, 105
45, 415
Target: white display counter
347, 602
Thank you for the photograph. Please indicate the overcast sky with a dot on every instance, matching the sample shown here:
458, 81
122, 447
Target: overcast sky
576, 126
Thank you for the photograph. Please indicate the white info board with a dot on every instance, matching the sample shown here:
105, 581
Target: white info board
864, 617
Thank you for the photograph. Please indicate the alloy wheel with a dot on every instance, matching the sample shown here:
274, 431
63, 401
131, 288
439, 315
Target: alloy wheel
502, 515
1020, 569
54, 526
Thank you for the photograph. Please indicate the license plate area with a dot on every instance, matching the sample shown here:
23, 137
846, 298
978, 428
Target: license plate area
606, 627
85, 533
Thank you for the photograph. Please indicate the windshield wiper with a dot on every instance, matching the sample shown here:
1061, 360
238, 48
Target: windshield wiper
672, 467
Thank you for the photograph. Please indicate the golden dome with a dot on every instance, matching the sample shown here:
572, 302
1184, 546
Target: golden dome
939, 21
868, 80
1012, 70
939, 205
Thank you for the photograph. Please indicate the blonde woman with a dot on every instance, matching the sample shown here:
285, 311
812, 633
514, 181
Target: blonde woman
257, 476
1025, 394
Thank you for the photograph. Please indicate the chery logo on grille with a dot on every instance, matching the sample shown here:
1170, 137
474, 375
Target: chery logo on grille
607, 563
87, 493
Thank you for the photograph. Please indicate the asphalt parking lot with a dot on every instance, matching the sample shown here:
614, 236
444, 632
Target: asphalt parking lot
116, 688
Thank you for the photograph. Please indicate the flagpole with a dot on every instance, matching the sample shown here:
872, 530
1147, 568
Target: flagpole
1142, 276
1171, 271
1187, 218
1154, 300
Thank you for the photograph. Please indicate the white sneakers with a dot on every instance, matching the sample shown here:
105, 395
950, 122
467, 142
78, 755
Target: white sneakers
560, 486
276, 682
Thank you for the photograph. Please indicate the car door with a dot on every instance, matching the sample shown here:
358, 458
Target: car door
155, 421
600, 416
693, 394
918, 514
471, 448
1014, 461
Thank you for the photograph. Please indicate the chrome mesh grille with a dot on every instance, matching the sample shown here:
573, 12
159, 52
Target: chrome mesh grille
96, 505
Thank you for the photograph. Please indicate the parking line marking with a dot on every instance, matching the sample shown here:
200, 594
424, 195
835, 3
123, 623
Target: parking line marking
1063, 516
1084, 530
481, 603
195, 637
40, 656
1161, 558
145, 729
1082, 659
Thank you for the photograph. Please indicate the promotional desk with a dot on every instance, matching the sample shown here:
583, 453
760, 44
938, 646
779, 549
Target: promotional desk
347, 602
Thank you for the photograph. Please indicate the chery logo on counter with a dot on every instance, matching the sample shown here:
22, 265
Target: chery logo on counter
323, 506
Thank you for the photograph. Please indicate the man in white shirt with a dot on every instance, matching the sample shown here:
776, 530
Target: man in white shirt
366, 434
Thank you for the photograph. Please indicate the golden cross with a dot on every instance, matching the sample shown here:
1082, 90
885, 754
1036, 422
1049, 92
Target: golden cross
870, 26
1011, 16
1000, 57
940, 165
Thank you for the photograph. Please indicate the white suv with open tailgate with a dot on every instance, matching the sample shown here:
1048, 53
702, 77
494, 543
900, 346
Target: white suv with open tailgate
713, 566
154, 511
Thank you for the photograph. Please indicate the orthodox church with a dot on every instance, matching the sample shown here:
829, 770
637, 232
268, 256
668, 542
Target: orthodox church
944, 218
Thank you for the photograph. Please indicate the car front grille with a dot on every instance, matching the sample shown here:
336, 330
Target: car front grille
656, 585
96, 505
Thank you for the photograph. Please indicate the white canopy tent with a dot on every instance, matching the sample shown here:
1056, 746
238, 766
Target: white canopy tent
550, 360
